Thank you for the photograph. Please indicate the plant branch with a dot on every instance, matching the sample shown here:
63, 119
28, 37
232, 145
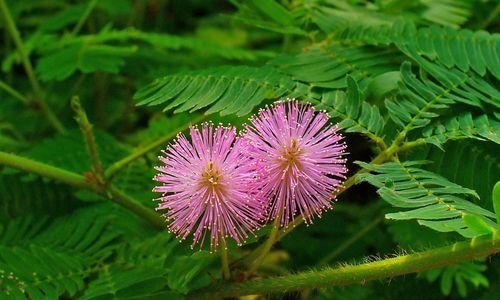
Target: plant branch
16, 37
7, 88
142, 150
88, 10
86, 127
358, 274
80, 181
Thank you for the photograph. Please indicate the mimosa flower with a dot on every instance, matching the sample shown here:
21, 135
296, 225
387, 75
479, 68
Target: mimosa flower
302, 157
205, 187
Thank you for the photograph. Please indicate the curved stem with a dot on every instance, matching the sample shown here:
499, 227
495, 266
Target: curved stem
140, 151
80, 181
16, 37
358, 274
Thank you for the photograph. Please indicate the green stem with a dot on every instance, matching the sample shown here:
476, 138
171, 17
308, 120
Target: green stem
86, 127
16, 37
7, 88
84, 17
140, 151
268, 244
226, 273
358, 274
44, 170
491, 17
137, 208
80, 181
353, 239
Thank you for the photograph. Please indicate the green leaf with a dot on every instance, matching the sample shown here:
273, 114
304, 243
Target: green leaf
429, 198
275, 11
463, 126
185, 273
464, 49
422, 99
496, 200
477, 224
61, 64
352, 111
327, 67
228, 90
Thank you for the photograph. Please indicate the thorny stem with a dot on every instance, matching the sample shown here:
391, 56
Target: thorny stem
81, 181
16, 37
142, 150
86, 127
226, 274
358, 274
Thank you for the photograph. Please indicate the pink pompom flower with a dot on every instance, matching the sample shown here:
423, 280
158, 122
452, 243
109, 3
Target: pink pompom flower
205, 187
302, 157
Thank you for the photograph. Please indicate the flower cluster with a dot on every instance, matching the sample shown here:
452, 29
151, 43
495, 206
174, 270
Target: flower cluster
287, 162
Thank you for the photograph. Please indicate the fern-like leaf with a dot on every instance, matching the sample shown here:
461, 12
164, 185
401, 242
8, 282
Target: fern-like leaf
57, 260
327, 67
354, 114
421, 98
431, 199
464, 49
227, 90
463, 127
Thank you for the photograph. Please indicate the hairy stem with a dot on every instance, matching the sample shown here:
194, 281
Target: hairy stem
44, 170
86, 127
16, 37
140, 151
80, 181
358, 274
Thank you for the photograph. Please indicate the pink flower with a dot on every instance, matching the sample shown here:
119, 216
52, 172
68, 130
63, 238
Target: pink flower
302, 157
205, 186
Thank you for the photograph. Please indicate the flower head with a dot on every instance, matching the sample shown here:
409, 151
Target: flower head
205, 187
302, 157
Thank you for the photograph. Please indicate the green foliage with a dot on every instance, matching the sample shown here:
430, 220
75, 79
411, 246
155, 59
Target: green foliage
421, 98
459, 275
431, 199
228, 90
463, 127
354, 114
327, 67
464, 49
413, 86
